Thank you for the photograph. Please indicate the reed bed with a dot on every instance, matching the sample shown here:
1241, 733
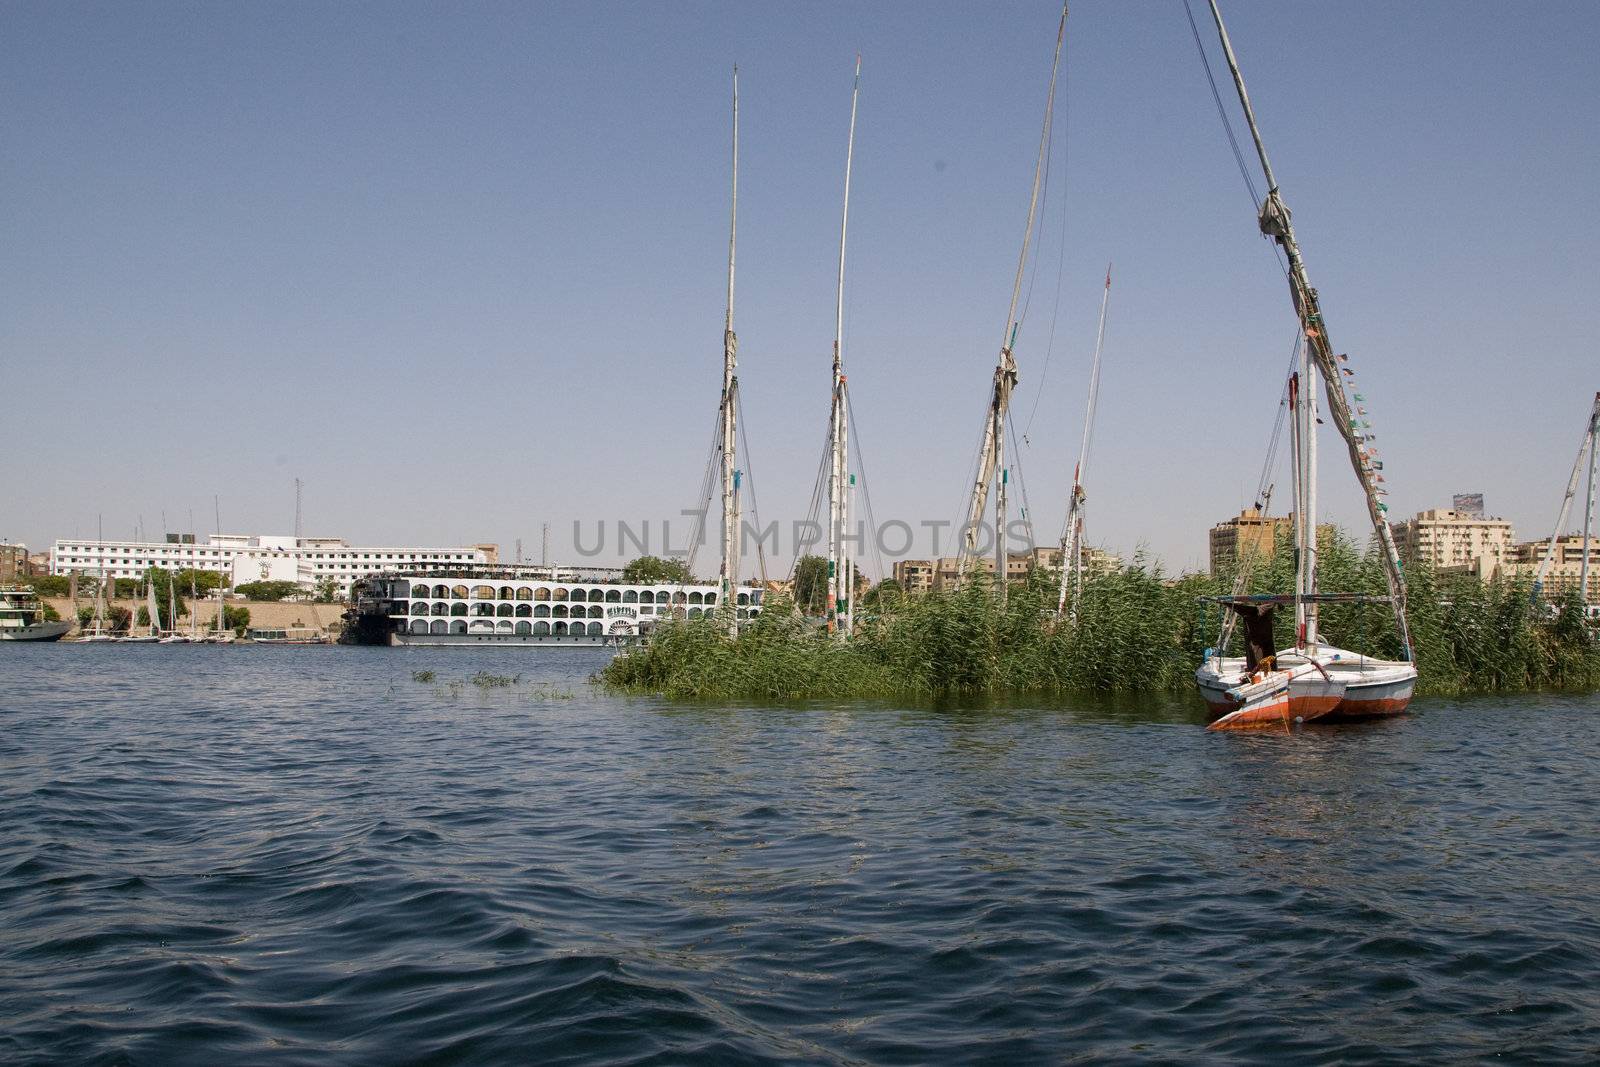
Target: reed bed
1136, 630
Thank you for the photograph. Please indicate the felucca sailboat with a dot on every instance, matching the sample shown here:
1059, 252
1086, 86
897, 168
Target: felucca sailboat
1311, 679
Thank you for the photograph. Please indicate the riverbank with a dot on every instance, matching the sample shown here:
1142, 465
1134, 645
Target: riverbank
1135, 631
264, 614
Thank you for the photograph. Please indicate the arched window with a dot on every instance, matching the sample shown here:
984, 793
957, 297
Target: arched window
503, 610
524, 610
694, 613
503, 626
419, 607
630, 596
524, 593
419, 626
480, 626
711, 598
541, 611
578, 594
646, 597
507, 593
597, 612
744, 598
597, 595
459, 592
558, 593
438, 626
541, 629
458, 609
480, 610
441, 608
613, 596
696, 598
561, 629
594, 629
524, 628
440, 592
458, 626
541, 593
561, 611
678, 597
483, 592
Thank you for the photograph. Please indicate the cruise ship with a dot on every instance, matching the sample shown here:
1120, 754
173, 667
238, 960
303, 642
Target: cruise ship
477, 608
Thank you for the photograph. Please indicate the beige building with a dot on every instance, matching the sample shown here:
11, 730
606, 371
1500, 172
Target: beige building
925, 575
1565, 569
1455, 541
914, 575
1248, 533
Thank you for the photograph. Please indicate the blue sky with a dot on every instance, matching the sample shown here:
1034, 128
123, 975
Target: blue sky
460, 267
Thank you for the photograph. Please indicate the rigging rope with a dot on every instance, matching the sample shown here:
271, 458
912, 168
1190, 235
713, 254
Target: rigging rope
866, 494
707, 482
755, 509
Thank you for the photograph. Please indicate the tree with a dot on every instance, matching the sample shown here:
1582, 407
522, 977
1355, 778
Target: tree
236, 619
649, 569
268, 590
811, 584
119, 619
85, 617
327, 590
51, 584
167, 592
203, 583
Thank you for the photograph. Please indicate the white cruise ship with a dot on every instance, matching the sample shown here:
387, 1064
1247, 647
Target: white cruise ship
450, 608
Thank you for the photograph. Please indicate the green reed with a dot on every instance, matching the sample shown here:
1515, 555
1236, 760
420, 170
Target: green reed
1136, 629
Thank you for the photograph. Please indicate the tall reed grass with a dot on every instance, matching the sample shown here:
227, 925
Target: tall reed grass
1136, 630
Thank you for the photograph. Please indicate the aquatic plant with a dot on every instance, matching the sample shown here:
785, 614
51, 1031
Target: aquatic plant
422, 676
1135, 630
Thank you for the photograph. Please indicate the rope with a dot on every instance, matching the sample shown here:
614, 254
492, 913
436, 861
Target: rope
755, 509
866, 494
706, 484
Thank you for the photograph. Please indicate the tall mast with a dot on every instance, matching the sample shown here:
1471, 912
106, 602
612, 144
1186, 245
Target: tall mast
840, 611
1274, 222
729, 568
1588, 508
991, 462
1591, 440
1072, 533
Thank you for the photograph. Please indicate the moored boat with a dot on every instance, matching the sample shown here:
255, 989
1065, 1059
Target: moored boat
1323, 682
22, 618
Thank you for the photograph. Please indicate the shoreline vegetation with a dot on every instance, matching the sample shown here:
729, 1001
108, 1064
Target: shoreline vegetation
1137, 630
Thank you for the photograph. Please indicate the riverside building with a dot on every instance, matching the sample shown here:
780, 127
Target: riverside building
1566, 567
257, 558
1460, 542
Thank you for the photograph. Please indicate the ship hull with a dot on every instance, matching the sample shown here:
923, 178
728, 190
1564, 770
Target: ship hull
399, 640
39, 631
1336, 686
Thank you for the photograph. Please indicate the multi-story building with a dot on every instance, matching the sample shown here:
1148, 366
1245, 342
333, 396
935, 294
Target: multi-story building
1455, 541
1565, 567
14, 562
914, 575
923, 575
241, 559
1248, 533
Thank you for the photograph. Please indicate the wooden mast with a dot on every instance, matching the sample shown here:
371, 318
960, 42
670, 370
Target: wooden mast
1591, 440
728, 576
1274, 222
1072, 533
991, 462
840, 609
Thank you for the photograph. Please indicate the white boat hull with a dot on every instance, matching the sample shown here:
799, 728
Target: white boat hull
1333, 685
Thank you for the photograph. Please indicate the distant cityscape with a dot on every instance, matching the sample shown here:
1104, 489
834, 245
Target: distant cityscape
1456, 540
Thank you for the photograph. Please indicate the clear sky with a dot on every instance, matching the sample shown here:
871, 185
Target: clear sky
461, 267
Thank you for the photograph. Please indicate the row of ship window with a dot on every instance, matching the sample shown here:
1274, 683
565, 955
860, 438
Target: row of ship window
481, 610
607, 596
537, 629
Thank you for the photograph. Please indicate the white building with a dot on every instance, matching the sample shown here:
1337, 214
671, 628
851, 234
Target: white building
242, 559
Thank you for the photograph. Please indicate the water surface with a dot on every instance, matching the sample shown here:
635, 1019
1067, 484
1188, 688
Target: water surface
297, 855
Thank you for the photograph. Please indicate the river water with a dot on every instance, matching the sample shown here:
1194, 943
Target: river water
305, 855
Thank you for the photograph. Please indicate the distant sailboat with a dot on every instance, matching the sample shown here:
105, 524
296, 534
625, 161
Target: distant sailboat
992, 468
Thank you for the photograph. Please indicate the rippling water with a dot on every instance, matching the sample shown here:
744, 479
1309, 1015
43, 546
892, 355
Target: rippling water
304, 855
